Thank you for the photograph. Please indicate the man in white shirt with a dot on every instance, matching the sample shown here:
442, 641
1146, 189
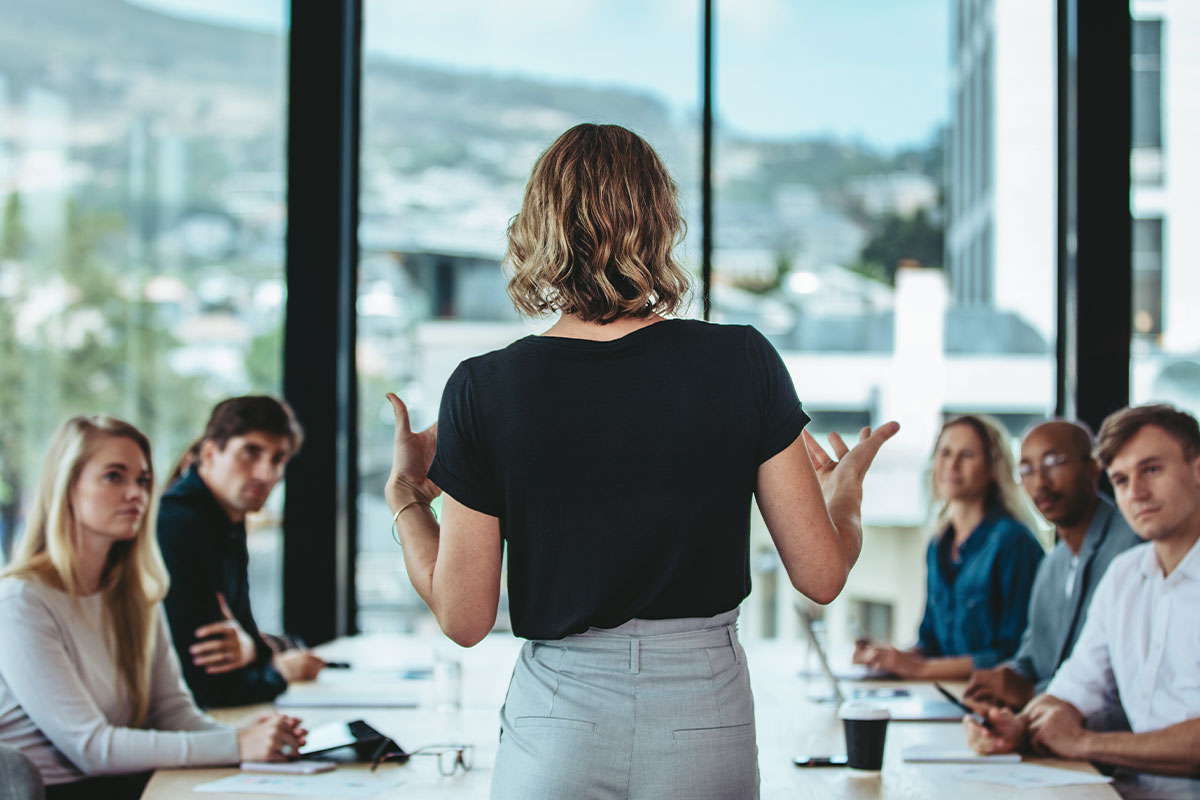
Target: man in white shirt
1140, 646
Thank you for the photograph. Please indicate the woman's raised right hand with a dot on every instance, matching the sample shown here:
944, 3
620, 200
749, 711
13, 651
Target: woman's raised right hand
270, 737
411, 456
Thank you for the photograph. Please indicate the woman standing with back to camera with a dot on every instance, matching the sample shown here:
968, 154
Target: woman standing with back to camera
617, 454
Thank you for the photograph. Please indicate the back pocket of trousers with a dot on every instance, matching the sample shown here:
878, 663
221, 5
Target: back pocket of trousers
554, 722
724, 732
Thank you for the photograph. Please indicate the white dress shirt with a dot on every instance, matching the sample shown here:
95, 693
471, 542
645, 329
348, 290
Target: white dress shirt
1140, 646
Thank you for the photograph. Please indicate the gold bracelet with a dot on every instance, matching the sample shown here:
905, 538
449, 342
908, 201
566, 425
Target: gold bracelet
396, 516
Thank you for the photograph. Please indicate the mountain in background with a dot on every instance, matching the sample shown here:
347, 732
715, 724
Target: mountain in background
445, 153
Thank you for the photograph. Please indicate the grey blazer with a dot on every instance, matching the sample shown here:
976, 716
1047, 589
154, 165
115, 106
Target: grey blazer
1056, 620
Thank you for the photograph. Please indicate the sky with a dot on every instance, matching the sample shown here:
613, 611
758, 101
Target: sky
875, 71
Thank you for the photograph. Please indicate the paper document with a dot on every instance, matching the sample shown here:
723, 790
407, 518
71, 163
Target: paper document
340, 696
932, 754
376, 676
849, 672
1024, 776
336, 784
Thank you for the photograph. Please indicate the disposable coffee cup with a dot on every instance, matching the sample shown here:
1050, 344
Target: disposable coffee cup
866, 730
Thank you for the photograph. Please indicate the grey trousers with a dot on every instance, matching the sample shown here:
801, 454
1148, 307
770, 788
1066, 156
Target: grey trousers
19, 779
650, 709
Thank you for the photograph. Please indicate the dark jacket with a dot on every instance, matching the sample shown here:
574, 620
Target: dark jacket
205, 554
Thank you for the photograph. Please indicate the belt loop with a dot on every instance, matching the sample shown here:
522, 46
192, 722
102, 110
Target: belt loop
635, 644
737, 655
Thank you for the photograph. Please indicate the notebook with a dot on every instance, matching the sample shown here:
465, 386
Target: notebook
325, 696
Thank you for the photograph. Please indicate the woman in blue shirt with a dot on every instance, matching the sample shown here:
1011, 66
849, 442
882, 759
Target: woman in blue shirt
981, 563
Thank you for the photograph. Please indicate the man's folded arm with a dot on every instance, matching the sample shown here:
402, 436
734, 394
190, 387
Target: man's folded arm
1173, 750
191, 602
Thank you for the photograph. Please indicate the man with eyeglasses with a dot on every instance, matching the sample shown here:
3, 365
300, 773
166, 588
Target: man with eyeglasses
1140, 645
1059, 474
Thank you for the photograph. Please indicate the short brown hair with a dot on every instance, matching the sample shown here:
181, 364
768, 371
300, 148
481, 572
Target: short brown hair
597, 229
238, 416
1121, 426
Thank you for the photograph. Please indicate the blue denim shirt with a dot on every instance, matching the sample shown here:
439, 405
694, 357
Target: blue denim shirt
977, 605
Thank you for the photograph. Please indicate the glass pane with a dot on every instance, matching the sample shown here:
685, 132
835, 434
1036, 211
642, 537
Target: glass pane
1147, 88
1147, 278
141, 234
885, 206
459, 98
1165, 200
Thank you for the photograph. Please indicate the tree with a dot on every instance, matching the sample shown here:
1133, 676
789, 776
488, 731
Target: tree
264, 361
110, 348
760, 284
15, 240
898, 238
105, 349
13, 248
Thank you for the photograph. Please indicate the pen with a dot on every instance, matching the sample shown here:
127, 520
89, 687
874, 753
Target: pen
978, 718
337, 664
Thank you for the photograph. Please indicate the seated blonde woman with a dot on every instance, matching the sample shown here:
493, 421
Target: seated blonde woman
980, 562
90, 687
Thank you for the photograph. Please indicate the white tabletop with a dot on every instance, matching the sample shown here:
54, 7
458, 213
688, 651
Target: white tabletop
788, 723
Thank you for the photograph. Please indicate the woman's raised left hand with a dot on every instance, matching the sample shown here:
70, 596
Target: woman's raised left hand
411, 458
841, 475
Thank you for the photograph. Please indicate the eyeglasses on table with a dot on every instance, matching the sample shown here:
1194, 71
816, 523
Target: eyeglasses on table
450, 757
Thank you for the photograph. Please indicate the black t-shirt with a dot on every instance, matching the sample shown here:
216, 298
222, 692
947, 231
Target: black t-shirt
621, 472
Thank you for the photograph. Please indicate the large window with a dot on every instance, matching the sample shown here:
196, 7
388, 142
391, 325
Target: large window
884, 211
458, 101
838, 156
141, 231
884, 214
1165, 200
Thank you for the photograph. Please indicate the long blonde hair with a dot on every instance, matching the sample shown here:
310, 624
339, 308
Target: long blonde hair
1002, 491
134, 579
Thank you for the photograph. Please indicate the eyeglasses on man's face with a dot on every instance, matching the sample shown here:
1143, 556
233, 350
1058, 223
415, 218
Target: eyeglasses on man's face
450, 757
1050, 465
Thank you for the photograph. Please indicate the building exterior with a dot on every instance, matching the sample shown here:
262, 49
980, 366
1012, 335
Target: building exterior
1165, 201
1000, 246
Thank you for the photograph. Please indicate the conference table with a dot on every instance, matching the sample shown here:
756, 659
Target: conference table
788, 723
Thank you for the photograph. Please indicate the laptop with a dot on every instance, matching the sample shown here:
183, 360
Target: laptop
903, 703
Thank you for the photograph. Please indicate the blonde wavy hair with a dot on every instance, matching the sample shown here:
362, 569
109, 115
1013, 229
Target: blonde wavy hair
597, 229
134, 579
1002, 491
